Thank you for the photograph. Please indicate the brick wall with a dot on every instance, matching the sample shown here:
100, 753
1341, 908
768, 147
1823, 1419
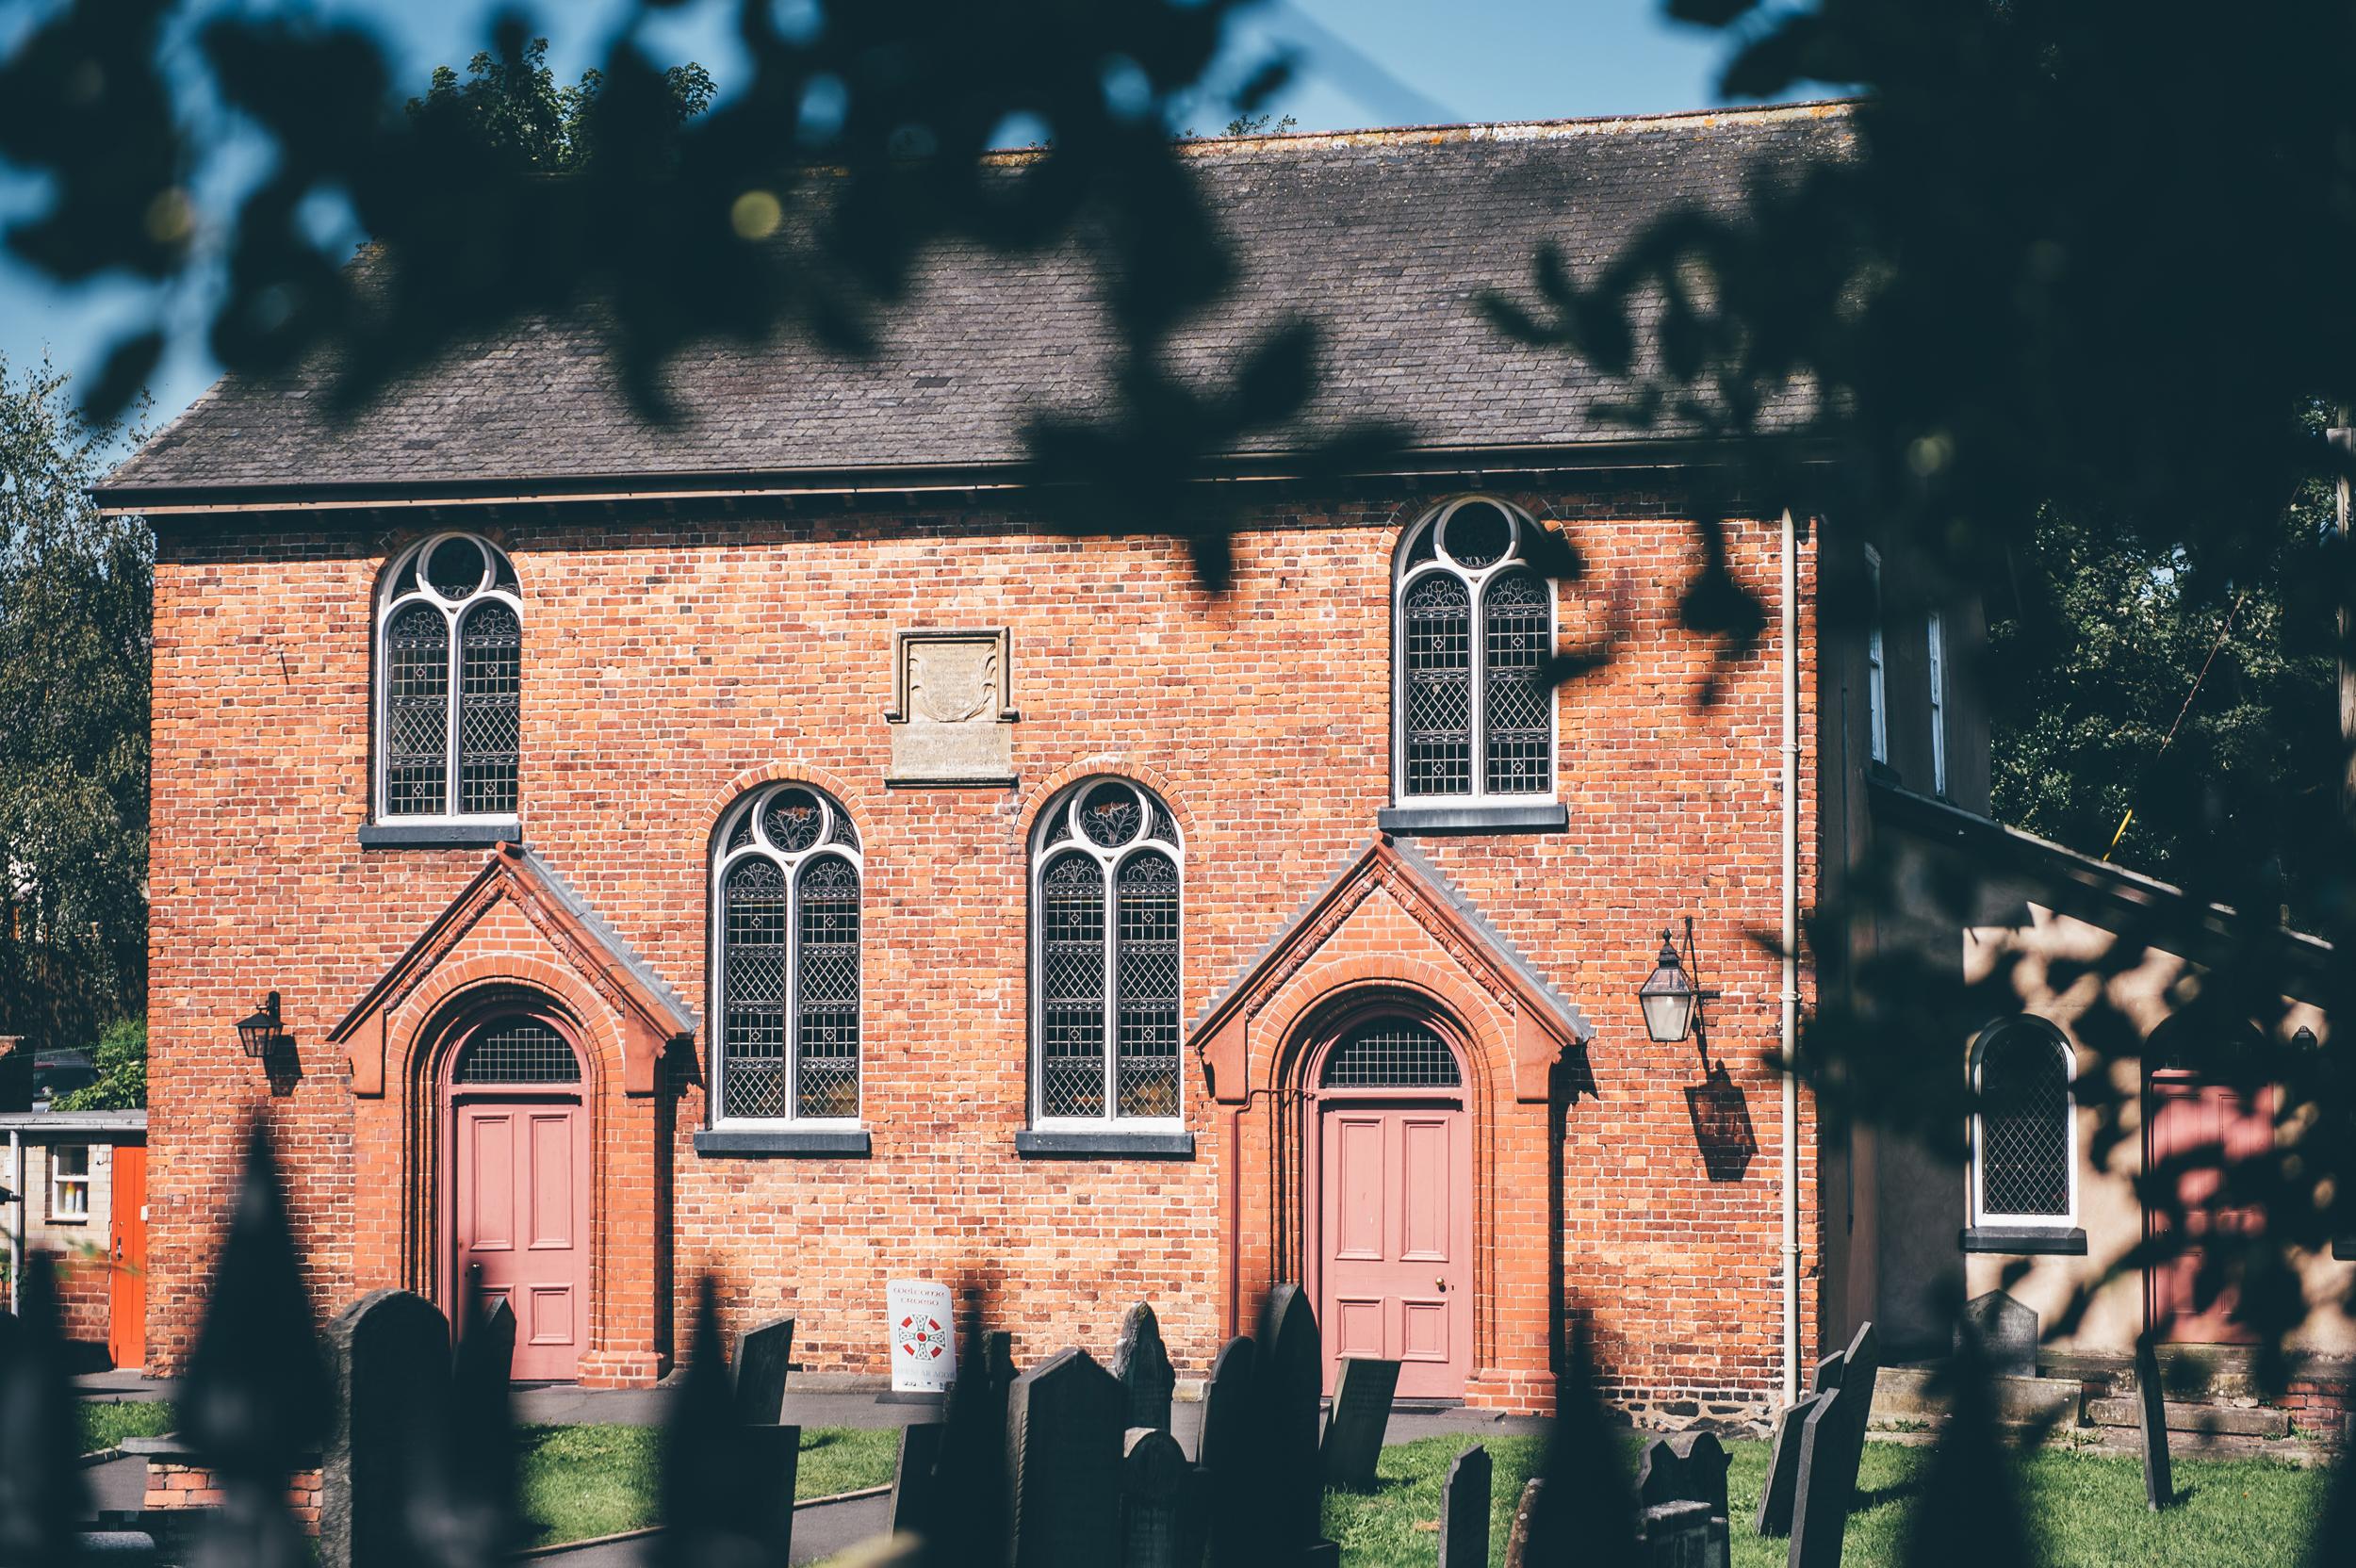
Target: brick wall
671, 662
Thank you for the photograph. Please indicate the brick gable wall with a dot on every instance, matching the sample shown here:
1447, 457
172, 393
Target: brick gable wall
671, 662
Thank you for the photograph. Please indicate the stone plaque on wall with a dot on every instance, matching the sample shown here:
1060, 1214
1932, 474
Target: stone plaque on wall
952, 714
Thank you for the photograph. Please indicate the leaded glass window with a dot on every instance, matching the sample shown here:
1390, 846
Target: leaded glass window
518, 1050
450, 683
1390, 1054
786, 965
1106, 906
2024, 1144
1475, 705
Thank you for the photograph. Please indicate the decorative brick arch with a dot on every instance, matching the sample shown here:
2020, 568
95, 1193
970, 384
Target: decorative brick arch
1461, 1012
699, 831
1095, 767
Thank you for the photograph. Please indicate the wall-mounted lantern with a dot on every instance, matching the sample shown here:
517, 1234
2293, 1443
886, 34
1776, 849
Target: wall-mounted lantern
260, 1032
1671, 1002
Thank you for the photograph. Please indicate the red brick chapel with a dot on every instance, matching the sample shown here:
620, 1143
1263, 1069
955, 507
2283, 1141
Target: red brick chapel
760, 847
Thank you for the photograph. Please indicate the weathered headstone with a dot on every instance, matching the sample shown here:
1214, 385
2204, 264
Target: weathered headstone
1292, 1382
1464, 1510
1156, 1481
1517, 1534
1832, 1445
1855, 1371
2159, 1480
1678, 1535
1361, 1415
1783, 1465
1227, 1451
390, 1352
1688, 1468
481, 1517
912, 1476
1142, 1364
759, 1369
1063, 1463
2007, 1331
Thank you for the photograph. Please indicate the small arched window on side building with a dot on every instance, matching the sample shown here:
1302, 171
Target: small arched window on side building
448, 684
2024, 1136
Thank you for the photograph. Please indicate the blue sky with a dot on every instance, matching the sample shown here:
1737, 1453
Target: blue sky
1360, 63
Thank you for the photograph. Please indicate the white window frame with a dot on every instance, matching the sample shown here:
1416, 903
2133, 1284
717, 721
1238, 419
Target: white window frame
792, 863
1981, 1213
1476, 580
1934, 643
61, 1184
1877, 689
1065, 809
388, 604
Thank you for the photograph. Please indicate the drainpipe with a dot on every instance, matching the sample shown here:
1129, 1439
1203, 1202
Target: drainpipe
16, 1220
1790, 961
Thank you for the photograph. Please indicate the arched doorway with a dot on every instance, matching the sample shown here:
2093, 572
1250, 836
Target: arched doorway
517, 1179
1392, 1205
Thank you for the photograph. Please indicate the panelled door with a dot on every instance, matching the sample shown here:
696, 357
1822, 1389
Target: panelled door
2184, 1115
1395, 1207
126, 1263
519, 1191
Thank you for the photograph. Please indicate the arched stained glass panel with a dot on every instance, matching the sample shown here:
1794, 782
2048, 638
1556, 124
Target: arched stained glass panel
1519, 703
756, 910
449, 682
826, 998
1071, 897
1438, 649
490, 708
1146, 958
2025, 1123
417, 711
518, 1050
1473, 634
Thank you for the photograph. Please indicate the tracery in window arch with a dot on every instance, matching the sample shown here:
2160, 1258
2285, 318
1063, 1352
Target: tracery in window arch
1472, 710
449, 682
1106, 881
785, 972
2023, 1144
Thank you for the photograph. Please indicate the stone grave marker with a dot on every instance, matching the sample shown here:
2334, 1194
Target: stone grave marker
1517, 1535
1063, 1463
1227, 1452
1156, 1481
2007, 1331
1832, 1445
390, 1352
1143, 1368
1688, 1468
759, 1369
912, 1476
1361, 1415
1783, 1462
2159, 1480
1678, 1535
1292, 1385
1464, 1510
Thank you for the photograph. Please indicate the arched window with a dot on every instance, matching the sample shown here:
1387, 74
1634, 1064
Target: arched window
1390, 1054
785, 969
518, 1048
2024, 1136
1473, 713
450, 683
1105, 867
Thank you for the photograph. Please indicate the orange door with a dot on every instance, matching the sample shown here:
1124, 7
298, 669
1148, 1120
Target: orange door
2184, 1115
1395, 1212
521, 1201
126, 1266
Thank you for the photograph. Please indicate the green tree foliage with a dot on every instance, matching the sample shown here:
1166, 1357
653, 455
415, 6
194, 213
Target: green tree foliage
2103, 642
120, 1057
74, 597
518, 109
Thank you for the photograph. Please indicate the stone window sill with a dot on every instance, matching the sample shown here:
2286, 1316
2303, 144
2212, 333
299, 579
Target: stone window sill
1543, 816
440, 835
2025, 1240
788, 1143
1032, 1144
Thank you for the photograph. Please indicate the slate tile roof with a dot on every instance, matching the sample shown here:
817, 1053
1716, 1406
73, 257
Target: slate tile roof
1386, 239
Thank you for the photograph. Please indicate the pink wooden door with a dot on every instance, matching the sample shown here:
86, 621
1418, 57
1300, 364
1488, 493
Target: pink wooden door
2184, 1115
1396, 1217
521, 1201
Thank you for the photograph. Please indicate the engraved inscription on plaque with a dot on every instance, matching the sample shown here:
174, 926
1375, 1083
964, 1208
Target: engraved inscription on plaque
952, 715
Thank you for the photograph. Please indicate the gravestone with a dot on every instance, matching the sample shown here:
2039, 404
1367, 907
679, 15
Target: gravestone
1227, 1452
1464, 1510
1063, 1463
1676, 1535
912, 1476
1688, 1467
1143, 1368
1157, 1519
481, 1504
2159, 1480
390, 1352
759, 1369
1832, 1445
1517, 1534
1361, 1415
1292, 1382
1783, 1464
2007, 1332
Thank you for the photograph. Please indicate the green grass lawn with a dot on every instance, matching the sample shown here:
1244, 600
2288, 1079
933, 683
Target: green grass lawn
2089, 1512
590, 1481
108, 1422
